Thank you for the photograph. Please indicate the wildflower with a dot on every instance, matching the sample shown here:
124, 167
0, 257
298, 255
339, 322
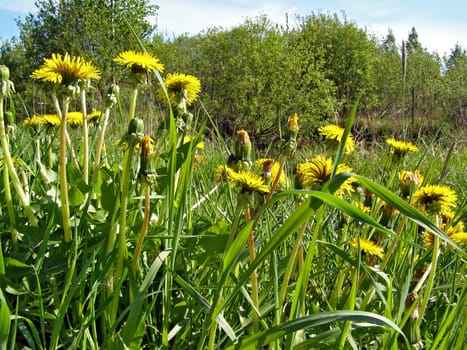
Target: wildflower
270, 169
51, 120
361, 206
333, 133
460, 238
315, 172
367, 246
34, 121
293, 126
400, 148
248, 182
75, 118
146, 170
139, 62
409, 181
435, 199
181, 87
94, 116
65, 70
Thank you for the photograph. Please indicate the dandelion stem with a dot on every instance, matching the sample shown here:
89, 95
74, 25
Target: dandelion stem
100, 145
254, 276
62, 168
85, 138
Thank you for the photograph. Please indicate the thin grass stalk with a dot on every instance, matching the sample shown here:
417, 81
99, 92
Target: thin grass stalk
8, 163
254, 276
9, 205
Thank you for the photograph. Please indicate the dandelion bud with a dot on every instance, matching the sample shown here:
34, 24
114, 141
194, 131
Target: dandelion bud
112, 95
409, 181
135, 131
243, 146
293, 126
146, 170
266, 173
5, 73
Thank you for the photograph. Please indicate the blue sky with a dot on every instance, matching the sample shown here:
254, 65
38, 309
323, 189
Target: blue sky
439, 24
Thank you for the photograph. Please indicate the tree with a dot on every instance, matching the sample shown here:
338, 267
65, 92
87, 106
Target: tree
95, 29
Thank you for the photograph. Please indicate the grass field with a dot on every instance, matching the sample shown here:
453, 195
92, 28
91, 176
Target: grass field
180, 238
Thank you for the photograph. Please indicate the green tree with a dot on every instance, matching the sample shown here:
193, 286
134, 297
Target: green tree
95, 29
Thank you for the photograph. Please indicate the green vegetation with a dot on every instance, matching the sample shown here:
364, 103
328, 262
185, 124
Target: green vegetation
276, 194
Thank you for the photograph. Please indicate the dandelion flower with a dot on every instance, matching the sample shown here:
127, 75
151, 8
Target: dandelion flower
51, 120
460, 238
75, 118
315, 172
94, 116
435, 198
34, 121
188, 138
367, 246
139, 62
400, 148
65, 70
248, 182
334, 133
181, 87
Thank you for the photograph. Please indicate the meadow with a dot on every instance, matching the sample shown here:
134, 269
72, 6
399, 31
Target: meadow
124, 232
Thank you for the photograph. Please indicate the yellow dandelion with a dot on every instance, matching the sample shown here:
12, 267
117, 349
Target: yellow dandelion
139, 62
51, 120
65, 70
273, 169
435, 199
94, 116
409, 181
75, 118
248, 182
181, 87
34, 121
428, 239
361, 206
315, 172
367, 246
400, 148
333, 133
460, 238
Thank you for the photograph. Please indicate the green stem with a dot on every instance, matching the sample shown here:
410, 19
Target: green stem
134, 96
9, 205
85, 138
100, 144
8, 162
121, 239
63, 114
254, 276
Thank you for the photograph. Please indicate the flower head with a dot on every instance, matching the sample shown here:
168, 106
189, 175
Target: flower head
222, 173
139, 62
51, 120
409, 181
181, 87
367, 246
65, 70
333, 133
435, 199
248, 182
315, 172
188, 138
75, 118
400, 148
94, 116
34, 121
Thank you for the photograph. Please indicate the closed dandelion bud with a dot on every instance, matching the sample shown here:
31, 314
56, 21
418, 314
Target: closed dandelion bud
243, 146
5, 73
293, 126
111, 96
9, 118
146, 170
135, 131
409, 181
